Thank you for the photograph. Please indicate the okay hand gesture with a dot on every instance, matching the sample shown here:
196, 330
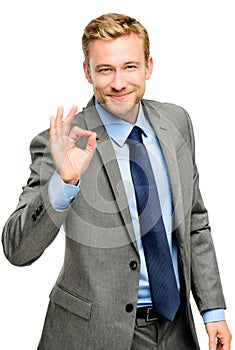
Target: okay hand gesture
70, 161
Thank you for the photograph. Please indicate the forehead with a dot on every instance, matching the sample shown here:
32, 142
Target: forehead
126, 48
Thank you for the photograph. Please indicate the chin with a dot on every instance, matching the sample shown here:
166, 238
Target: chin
120, 108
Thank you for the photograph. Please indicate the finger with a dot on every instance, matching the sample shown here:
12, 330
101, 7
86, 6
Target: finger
71, 114
52, 126
91, 143
69, 118
77, 132
222, 344
59, 117
212, 341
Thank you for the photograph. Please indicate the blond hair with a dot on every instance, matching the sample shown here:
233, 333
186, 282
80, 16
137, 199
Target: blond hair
111, 26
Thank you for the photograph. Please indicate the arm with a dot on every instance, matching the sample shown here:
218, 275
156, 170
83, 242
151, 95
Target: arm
61, 194
35, 223
206, 283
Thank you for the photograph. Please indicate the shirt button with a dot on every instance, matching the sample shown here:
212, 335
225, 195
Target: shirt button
133, 265
129, 308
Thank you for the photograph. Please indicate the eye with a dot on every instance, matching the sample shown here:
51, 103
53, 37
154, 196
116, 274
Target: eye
131, 67
104, 70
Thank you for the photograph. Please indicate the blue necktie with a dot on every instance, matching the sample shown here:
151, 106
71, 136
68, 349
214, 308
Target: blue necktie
163, 286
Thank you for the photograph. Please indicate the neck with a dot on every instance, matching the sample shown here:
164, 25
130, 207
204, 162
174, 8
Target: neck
130, 116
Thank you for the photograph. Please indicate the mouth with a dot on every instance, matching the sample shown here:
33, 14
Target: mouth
120, 97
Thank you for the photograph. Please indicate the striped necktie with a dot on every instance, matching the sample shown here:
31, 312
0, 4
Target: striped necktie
163, 287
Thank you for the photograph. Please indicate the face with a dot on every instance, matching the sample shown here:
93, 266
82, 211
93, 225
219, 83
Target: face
118, 72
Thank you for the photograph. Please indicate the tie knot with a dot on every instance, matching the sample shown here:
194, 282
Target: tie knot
136, 134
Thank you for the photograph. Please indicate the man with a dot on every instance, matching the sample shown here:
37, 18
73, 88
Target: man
84, 178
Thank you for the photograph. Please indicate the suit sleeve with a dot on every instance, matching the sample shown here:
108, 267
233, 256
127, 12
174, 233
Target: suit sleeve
34, 224
206, 283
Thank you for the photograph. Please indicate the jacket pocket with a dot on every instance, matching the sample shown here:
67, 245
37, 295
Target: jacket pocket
71, 302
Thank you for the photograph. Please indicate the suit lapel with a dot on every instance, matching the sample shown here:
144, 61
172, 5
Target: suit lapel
163, 130
107, 154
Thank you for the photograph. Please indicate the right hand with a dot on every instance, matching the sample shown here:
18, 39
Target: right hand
70, 161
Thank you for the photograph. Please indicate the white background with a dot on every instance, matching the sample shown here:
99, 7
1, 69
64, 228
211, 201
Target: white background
192, 43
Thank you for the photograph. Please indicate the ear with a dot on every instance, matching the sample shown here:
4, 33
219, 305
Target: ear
87, 72
149, 68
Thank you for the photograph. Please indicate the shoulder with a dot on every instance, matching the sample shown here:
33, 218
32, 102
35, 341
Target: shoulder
40, 141
170, 111
171, 114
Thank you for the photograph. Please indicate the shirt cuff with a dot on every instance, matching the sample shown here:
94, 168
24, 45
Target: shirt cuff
61, 194
213, 315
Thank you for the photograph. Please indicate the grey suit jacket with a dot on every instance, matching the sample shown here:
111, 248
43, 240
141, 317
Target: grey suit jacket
93, 303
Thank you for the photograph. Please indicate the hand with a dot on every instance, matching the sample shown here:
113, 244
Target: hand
219, 335
70, 161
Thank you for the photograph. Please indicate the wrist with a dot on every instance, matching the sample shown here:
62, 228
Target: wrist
72, 182
68, 180
60, 193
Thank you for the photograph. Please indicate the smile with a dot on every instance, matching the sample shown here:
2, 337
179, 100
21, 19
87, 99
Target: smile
120, 97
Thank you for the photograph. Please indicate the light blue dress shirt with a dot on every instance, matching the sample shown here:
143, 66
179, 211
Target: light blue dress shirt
61, 194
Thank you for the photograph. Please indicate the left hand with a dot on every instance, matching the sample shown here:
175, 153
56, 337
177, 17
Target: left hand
219, 335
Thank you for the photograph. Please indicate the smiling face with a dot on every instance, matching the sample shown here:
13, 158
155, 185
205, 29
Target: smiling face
118, 71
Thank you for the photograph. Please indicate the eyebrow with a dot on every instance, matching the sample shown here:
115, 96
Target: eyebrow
110, 65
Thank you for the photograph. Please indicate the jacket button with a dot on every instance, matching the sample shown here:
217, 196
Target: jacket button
129, 307
38, 211
133, 265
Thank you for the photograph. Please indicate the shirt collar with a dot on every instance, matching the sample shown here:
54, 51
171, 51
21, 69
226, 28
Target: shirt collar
118, 129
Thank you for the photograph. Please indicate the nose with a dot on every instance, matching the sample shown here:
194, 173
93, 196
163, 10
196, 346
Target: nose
118, 82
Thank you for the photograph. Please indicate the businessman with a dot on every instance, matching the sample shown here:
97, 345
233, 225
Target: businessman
120, 179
